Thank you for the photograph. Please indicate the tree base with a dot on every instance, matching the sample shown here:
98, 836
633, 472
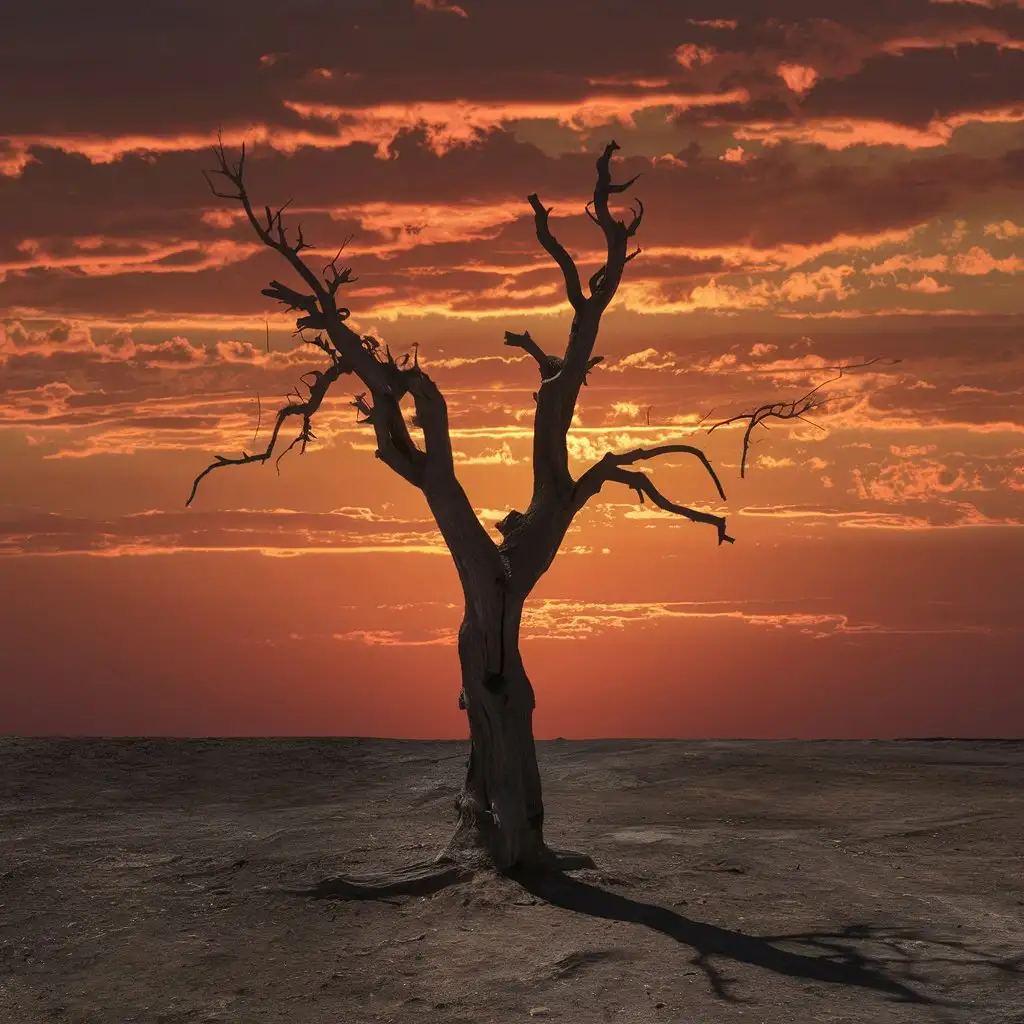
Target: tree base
468, 853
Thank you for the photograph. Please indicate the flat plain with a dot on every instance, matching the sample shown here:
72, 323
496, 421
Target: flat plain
153, 880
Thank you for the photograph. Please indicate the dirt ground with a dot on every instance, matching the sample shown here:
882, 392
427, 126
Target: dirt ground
143, 880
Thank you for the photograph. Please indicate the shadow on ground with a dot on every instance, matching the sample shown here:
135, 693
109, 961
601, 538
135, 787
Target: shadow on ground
840, 960
840, 957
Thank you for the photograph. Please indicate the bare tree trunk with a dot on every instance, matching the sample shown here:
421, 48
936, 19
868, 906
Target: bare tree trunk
501, 809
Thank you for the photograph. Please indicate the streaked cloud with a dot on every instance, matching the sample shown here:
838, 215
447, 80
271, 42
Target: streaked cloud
821, 187
278, 532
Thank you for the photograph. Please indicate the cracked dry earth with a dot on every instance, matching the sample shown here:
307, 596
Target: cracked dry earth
141, 880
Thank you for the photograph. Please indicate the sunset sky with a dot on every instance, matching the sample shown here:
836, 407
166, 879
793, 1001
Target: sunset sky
824, 182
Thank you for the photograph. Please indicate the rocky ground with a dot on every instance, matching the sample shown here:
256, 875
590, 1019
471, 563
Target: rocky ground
144, 880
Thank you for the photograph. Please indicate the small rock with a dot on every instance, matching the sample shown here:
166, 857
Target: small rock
539, 1011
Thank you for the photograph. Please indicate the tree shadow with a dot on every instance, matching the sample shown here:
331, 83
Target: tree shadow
840, 957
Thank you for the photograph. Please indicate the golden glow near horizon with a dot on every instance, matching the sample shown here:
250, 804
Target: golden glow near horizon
817, 192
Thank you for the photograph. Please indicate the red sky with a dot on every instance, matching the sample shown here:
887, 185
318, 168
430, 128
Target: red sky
824, 182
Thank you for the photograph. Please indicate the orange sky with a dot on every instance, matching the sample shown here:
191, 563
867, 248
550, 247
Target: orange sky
823, 182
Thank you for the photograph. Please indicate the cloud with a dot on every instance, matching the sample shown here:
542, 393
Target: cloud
565, 619
977, 261
991, 4
689, 55
96, 256
770, 462
441, 6
645, 359
398, 638
275, 532
914, 479
919, 515
926, 285
1005, 230
489, 457
798, 77
447, 125
842, 133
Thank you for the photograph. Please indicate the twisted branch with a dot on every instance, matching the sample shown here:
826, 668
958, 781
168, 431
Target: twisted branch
642, 454
322, 380
615, 231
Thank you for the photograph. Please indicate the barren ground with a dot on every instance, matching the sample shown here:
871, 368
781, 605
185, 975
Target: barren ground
142, 880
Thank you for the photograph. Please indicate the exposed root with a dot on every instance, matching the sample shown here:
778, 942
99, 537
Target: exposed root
418, 880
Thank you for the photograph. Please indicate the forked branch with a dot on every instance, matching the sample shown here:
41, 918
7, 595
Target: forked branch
273, 234
616, 232
318, 306
562, 378
795, 409
549, 366
335, 278
321, 382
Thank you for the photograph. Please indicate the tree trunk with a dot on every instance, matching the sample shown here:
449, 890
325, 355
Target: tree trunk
501, 811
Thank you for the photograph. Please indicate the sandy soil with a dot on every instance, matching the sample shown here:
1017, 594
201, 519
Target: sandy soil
142, 880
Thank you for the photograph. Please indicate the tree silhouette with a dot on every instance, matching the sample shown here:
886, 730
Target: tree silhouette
500, 808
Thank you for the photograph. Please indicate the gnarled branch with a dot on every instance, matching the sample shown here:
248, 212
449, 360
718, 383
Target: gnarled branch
642, 484
604, 188
614, 461
609, 470
317, 391
794, 409
386, 379
273, 234
319, 309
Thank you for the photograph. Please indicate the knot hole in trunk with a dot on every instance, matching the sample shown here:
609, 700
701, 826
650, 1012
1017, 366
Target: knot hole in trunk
494, 682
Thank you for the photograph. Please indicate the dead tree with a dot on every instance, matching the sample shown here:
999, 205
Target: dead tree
500, 809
